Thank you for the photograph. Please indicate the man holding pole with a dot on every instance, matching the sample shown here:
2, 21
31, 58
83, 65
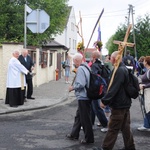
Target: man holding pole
120, 104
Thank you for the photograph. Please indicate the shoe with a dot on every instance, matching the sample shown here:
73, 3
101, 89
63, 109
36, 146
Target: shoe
98, 124
70, 137
15, 106
25, 100
143, 129
104, 130
31, 98
86, 142
98, 148
127, 149
93, 127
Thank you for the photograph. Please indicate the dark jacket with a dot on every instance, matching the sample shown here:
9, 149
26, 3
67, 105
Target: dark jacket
116, 97
97, 67
28, 65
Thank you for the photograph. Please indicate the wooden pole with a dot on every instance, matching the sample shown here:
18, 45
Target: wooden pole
119, 56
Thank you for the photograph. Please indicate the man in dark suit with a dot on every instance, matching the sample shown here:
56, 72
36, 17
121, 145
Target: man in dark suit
26, 60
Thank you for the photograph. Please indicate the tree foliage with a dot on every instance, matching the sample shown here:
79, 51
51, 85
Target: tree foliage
12, 19
142, 36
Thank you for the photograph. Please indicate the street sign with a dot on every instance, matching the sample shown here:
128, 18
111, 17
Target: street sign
38, 21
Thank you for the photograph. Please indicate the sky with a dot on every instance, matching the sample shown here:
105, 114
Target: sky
115, 13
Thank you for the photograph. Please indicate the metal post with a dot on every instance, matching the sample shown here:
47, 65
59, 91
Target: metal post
25, 26
127, 26
134, 34
37, 19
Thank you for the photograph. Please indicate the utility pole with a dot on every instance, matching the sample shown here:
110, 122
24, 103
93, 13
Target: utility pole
131, 12
128, 22
133, 33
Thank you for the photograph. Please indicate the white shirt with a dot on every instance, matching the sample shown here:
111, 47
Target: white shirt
15, 68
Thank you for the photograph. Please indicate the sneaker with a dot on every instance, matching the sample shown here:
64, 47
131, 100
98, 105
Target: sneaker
104, 130
98, 124
143, 129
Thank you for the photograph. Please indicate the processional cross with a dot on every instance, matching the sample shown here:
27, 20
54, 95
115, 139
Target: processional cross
121, 47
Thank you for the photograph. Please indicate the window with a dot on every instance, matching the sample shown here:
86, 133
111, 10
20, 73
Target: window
72, 26
50, 59
69, 42
73, 44
43, 59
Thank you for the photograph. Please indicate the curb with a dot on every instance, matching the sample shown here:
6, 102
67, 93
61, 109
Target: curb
63, 99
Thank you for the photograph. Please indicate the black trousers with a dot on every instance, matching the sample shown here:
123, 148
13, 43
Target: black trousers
29, 87
83, 119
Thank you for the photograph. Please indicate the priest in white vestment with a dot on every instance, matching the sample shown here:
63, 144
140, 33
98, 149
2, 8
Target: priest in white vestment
15, 81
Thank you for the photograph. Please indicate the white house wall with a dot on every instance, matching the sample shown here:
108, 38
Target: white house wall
43, 75
69, 35
6, 53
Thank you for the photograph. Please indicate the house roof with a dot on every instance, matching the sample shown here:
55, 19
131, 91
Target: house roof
68, 15
54, 44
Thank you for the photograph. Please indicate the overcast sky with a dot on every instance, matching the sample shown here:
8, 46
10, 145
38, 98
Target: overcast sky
115, 13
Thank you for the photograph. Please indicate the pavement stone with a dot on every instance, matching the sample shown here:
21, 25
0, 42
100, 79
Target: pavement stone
46, 95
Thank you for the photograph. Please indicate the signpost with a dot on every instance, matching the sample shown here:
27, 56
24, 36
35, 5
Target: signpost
37, 21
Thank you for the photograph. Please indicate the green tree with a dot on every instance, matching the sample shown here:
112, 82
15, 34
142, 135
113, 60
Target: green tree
12, 19
142, 34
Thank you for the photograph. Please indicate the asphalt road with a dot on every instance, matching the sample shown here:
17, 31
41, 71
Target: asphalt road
45, 129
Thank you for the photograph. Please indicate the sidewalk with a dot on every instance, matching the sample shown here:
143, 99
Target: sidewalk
46, 95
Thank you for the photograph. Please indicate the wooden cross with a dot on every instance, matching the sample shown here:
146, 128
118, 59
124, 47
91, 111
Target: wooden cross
121, 47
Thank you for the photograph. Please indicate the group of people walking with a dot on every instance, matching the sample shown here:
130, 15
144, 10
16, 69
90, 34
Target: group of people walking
116, 98
19, 75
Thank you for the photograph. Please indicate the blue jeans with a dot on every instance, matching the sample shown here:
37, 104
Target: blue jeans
147, 120
96, 110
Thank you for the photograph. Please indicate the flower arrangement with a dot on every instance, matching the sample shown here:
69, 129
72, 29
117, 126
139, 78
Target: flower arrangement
98, 44
80, 46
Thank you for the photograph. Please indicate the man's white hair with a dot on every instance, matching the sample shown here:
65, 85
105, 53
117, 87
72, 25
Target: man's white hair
24, 51
78, 56
16, 52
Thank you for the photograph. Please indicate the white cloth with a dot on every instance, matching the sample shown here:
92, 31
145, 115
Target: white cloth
147, 99
15, 68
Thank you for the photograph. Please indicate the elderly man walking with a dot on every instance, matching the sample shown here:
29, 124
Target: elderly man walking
82, 117
120, 104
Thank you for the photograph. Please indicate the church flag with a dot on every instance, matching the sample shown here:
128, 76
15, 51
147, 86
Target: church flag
99, 33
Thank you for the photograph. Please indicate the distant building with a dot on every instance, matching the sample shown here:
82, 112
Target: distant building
69, 36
